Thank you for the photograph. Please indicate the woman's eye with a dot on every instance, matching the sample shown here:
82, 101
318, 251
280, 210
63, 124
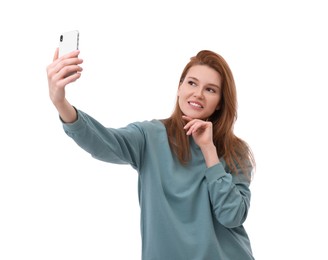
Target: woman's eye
211, 90
191, 83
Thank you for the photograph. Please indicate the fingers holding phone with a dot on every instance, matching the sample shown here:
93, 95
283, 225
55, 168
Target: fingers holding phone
68, 49
68, 65
63, 71
65, 67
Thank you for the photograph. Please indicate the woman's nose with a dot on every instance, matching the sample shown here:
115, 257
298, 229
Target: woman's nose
199, 93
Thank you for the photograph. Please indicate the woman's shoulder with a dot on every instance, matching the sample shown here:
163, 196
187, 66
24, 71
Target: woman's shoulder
149, 125
153, 131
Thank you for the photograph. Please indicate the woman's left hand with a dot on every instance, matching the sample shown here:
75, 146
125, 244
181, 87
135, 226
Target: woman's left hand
200, 130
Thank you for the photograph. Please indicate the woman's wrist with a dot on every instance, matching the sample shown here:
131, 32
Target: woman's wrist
66, 112
210, 154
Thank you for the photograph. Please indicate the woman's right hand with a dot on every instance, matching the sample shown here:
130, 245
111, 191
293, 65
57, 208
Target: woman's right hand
62, 71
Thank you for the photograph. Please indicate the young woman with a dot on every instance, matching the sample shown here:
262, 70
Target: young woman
194, 173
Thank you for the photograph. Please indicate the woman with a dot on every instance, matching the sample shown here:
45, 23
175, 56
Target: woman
194, 173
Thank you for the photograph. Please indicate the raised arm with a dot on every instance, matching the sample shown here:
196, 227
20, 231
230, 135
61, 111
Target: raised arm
60, 72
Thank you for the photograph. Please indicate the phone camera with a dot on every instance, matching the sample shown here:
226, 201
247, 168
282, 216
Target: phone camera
61, 38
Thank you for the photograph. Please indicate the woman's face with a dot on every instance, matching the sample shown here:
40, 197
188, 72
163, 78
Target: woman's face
200, 92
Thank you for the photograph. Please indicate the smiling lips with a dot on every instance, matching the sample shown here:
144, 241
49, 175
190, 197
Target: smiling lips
196, 105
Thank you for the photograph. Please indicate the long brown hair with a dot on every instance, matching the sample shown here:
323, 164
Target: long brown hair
234, 150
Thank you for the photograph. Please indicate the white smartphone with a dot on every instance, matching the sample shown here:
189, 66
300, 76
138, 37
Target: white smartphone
68, 42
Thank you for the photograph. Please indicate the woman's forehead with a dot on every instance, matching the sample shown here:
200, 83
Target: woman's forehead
204, 74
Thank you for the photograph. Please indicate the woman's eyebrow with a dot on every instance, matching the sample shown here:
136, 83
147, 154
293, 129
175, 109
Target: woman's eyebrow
193, 78
208, 84
214, 85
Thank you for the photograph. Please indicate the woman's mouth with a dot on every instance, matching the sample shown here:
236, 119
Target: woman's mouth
195, 104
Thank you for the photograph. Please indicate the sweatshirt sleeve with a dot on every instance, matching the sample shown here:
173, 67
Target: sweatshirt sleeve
120, 146
229, 194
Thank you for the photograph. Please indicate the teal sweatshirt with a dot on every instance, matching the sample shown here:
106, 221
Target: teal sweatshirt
187, 212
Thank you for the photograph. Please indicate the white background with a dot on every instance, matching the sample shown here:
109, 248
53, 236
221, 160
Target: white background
56, 202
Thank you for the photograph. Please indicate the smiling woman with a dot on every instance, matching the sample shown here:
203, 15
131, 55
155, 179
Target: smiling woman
199, 93
194, 173
207, 91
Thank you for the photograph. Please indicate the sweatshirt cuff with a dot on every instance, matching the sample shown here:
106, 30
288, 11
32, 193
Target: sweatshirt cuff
71, 127
77, 115
215, 172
